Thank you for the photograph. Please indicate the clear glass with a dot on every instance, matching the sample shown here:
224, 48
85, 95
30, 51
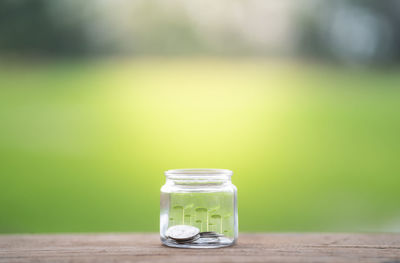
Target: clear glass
203, 198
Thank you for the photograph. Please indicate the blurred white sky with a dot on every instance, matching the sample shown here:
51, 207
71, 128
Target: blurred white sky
254, 24
346, 30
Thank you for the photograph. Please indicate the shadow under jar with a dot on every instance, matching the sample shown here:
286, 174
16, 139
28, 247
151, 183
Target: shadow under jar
198, 209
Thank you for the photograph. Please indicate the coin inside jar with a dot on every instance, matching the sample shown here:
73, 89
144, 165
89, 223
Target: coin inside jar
182, 232
210, 234
195, 238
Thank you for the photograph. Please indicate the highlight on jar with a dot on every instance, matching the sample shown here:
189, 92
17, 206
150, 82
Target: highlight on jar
198, 209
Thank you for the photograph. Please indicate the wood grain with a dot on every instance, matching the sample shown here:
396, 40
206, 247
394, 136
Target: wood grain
250, 248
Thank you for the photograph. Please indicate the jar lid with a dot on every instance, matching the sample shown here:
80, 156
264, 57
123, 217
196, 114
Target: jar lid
199, 172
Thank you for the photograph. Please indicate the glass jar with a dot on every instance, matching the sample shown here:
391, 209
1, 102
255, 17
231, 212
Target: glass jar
202, 199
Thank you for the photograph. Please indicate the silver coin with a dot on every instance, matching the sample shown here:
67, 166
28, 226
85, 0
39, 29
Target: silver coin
182, 232
196, 237
210, 234
207, 232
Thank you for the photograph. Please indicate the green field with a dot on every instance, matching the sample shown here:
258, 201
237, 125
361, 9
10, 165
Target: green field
83, 144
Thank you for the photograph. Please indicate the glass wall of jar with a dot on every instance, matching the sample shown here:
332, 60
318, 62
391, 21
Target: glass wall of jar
198, 209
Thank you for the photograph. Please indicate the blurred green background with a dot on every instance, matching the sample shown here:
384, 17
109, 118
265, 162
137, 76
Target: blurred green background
89, 126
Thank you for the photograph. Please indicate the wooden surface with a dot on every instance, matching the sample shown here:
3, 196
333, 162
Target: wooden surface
250, 248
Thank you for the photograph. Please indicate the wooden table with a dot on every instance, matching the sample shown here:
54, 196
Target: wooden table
250, 248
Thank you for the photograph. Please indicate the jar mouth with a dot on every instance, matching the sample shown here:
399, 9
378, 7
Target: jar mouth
198, 172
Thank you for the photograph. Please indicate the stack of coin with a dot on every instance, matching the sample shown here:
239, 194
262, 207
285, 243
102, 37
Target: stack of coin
188, 234
210, 234
183, 233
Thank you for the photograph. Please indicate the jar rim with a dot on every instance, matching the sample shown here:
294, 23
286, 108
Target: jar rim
198, 172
